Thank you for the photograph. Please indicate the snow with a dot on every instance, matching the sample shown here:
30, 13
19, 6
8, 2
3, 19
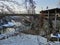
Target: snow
24, 39
1, 36
59, 35
55, 36
54, 43
10, 24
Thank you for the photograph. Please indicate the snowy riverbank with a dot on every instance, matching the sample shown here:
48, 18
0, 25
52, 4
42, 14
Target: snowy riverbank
24, 39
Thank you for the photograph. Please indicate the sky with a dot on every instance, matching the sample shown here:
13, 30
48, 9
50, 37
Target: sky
42, 4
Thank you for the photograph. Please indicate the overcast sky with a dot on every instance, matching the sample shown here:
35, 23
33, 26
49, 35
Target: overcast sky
42, 4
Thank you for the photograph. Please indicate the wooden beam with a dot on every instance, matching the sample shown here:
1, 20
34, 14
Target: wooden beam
19, 14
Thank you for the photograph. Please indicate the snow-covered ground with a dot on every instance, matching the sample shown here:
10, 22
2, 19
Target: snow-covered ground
24, 39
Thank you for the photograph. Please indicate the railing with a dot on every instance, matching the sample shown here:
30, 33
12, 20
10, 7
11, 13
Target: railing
19, 14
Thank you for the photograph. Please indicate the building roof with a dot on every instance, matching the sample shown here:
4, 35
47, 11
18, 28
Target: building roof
51, 10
